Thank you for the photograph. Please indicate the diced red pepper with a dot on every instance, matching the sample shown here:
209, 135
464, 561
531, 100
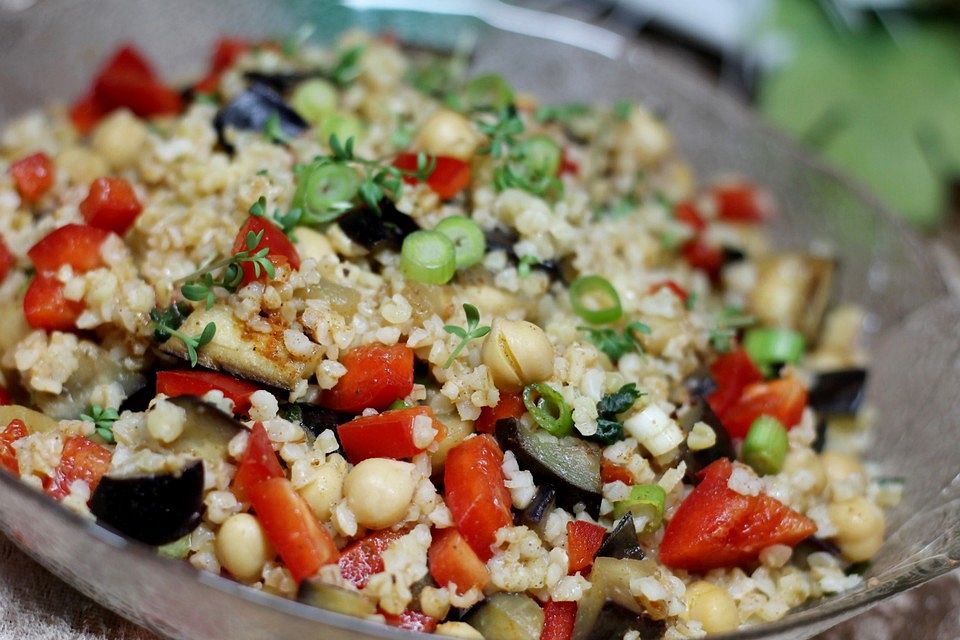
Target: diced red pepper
411, 621
677, 290
128, 60
364, 558
611, 472
77, 245
452, 560
741, 202
111, 204
732, 372
7, 259
4, 396
686, 212
783, 399
281, 250
476, 494
510, 406
385, 435
558, 620
376, 376
568, 165
32, 176
700, 254
86, 112
82, 459
44, 306
583, 542
303, 544
716, 527
8, 455
128, 80
259, 463
449, 177
197, 383
225, 54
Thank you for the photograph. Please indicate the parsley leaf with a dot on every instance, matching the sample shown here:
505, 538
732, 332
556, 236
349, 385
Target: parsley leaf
102, 419
472, 332
614, 343
727, 323
609, 428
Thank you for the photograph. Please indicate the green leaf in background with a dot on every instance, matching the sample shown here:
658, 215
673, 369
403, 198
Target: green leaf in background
884, 105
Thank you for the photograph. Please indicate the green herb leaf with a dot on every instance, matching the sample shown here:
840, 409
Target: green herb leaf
614, 403
622, 109
725, 330
102, 419
347, 68
472, 332
608, 431
166, 326
525, 264
613, 343
562, 113
273, 130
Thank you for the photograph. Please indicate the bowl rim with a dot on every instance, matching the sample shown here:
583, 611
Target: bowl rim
499, 16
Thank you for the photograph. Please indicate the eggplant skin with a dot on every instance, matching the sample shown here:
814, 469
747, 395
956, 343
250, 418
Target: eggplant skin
621, 543
615, 621
252, 109
697, 461
154, 509
838, 393
372, 230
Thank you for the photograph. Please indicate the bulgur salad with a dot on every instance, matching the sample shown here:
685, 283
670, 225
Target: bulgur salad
355, 327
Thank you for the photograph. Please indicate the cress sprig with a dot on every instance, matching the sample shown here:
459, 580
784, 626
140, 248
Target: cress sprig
166, 325
102, 419
200, 285
472, 332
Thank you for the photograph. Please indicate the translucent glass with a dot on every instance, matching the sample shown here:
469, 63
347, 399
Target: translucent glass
49, 52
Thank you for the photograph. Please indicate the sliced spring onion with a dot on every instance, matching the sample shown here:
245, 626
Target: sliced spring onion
540, 155
548, 409
765, 446
398, 404
177, 550
467, 238
314, 100
428, 257
645, 501
769, 345
325, 191
342, 125
487, 91
595, 300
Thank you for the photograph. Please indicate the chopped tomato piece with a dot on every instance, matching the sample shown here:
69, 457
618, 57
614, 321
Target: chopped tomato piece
303, 544
476, 495
4, 396
558, 619
8, 455
677, 290
82, 459
731, 372
611, 472
111, 204
741, 202
197, 383
225, 54
127, 80
583, 542
259, 463
45, 307
686, 212
449, 177
32, 176
717, 527
510, 406
281, 250
7, 259
86, 112
411, 621
386, 435
77, 245
376, 376
702, 255
452, 560
364, 558
129, 60
783, 399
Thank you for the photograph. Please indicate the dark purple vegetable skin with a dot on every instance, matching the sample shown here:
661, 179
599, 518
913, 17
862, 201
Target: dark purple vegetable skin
614, 621
314, 418
252, 109
621, 542
154, 509
537, 511
373, 230
838, 393
697, 461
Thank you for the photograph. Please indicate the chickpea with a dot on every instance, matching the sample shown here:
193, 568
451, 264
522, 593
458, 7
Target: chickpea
860, 526
379, 491
119, 139
242, 547
712, 606
491, 301
839, 467
313, 244
517, 353
805, 463
447, 133
458, 630
326, 489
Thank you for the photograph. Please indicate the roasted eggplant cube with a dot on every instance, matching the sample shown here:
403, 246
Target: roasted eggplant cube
378, 230
699, 460
252, 109
535, 515
621, 542
331, 598
838, 393
154, 509
508, 615
615, 621
314, 418
207, 431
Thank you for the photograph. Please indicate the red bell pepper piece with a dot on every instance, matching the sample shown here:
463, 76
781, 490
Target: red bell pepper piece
568, 165
700, 254
476, 494
44, 306
783, 399
510, 406
86, 112
376, 376
716, 527
8, 455
558, 620
7, 259
611, 472
127, 80
225, 54
385, 435
82, 459
677, 290
197, 383
259, 463
77, 245
411, 621
449, 177
32, 176
686, 212
452, 560
303, 544
364, 558
741, 202
111, 204
281, 250
732, 372
583, 542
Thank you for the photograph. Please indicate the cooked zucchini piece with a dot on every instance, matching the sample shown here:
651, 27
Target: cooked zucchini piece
508, 615
793, 290
331, 598
611, 583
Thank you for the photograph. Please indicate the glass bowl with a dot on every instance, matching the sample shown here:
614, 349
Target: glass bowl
51, 49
